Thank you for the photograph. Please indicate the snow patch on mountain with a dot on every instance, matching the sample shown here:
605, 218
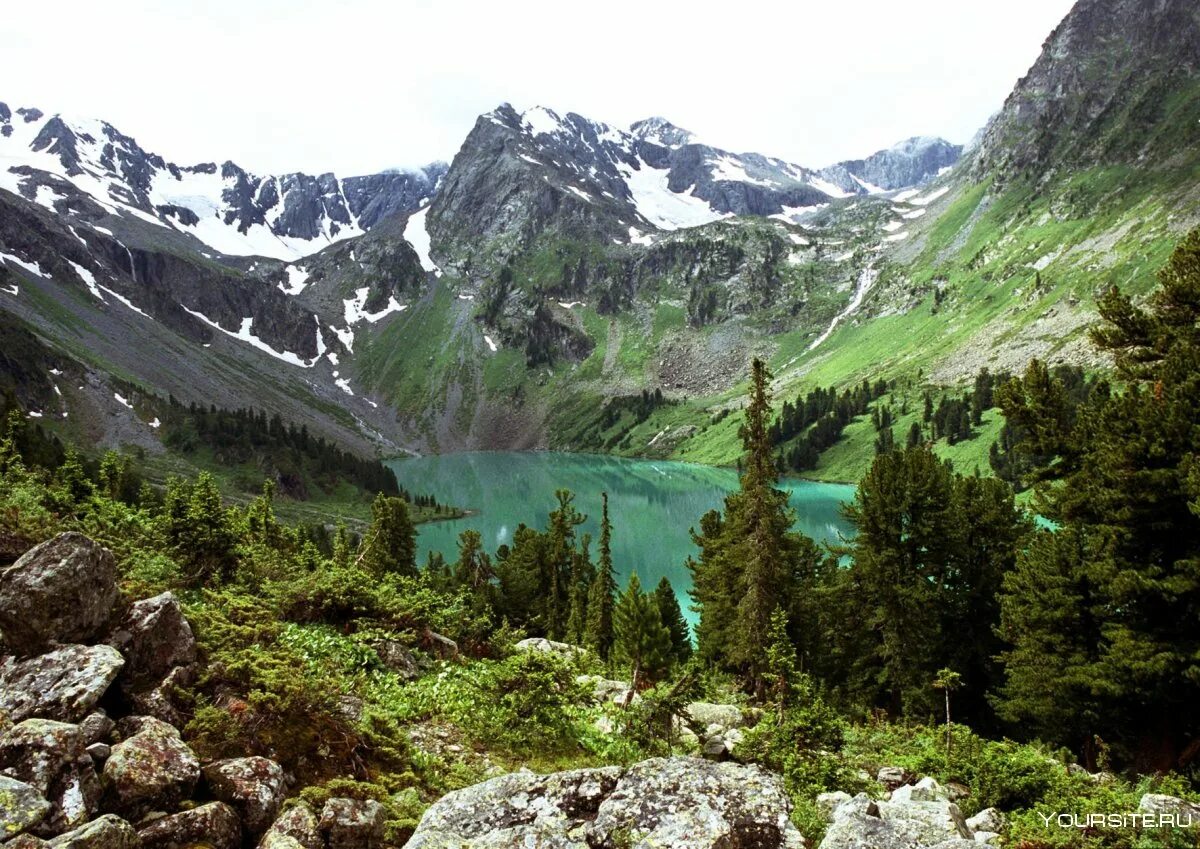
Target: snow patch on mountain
665, 209
416, 234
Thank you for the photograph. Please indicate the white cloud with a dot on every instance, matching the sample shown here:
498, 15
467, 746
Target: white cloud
280, 85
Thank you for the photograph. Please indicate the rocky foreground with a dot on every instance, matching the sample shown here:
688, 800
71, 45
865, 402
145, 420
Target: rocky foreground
91, 757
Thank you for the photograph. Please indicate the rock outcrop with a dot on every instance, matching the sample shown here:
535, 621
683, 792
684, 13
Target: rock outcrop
684, 803
62, 591
63, 684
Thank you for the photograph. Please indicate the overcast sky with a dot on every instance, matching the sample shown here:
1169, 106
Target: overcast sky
356, 86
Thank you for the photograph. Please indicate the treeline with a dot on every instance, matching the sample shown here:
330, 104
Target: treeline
294, 457
1082, 633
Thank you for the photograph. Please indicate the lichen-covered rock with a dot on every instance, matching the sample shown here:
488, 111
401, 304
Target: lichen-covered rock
828, 803
63, 684
706, 714
96, 727
1157, 803
541, 644
26, 841
684, 803
253, 786
212, 826
925, 823
62, 591
925, 790
21, 807
51, 757
352, 824
989, 819
606, 690
396, 657
164, 699
106, 832
296, 828
151, 770
154, 637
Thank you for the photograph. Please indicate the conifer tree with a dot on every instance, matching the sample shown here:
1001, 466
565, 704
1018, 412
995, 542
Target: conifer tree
557, 578
1104, 611
603, 592
672, 616
582, 575
390, 544
640, 639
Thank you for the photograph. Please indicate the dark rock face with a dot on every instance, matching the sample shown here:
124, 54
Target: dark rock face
63, 685
1097, 92
62, 591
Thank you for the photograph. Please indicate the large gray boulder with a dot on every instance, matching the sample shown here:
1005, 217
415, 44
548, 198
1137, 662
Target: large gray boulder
988, 820
865, 823
21, 807
62, 591
152, 770
106, 832
212, 826
544, 646
684, 803
253, 786
154, 637
63, 684
51, 756
1161, 805
352, 824
296, 828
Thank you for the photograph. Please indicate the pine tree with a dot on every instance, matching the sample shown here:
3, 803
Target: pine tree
672, 616
557, 578
197, 527
390, 544
582, 576
602, 593
640, 639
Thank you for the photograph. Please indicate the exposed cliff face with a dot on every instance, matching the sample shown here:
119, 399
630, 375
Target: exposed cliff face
1107, 88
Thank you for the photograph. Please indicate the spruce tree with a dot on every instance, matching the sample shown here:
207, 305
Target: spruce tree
640, 639
390, 544
598, 633
672, 617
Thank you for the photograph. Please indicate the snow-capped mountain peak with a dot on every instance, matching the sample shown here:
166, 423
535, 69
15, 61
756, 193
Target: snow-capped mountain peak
89, 168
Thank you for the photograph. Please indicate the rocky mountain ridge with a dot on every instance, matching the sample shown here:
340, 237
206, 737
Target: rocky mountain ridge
71, 166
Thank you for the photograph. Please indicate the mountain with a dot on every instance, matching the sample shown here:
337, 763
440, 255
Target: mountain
76, 166
912, 162
1115, 84
529, 292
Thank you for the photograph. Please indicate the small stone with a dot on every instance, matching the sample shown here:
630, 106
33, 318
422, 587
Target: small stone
99, 752
253, 786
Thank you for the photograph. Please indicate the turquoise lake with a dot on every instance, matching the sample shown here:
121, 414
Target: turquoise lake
652, 503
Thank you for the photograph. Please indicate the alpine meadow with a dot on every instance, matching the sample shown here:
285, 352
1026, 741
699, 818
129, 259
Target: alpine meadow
599, 487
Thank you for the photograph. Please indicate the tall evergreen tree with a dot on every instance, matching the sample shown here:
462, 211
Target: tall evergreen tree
557, 578
749, 558
603, 592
